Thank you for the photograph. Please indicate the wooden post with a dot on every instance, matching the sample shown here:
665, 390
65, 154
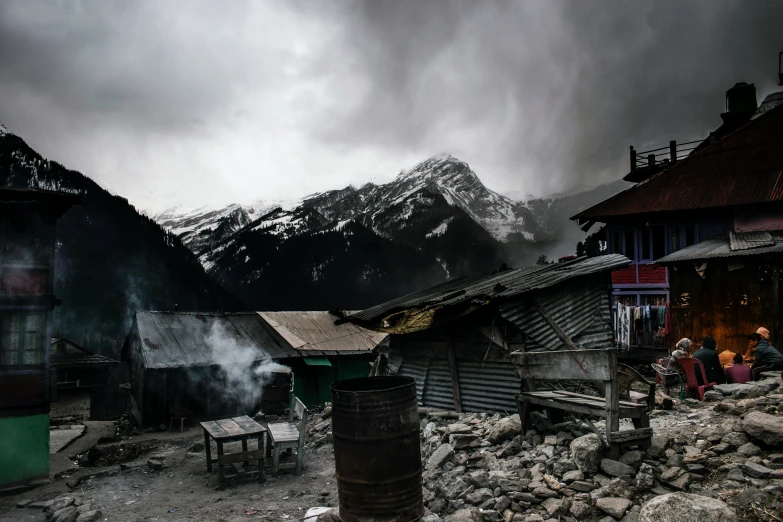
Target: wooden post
612, 406
633, 159
651, 160
775, 302
454, 374
673, 151
527, 382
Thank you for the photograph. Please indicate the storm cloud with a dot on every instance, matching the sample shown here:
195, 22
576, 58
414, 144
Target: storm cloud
207, 103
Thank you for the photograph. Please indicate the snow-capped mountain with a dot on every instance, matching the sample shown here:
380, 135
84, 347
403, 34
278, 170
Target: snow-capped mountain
204, 228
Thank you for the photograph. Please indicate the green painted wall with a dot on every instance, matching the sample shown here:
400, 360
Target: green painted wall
312, 384
25, 451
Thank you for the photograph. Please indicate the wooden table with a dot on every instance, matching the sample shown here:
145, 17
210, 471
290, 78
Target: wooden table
237, 429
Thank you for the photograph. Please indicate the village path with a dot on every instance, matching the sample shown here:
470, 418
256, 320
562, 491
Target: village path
183, 489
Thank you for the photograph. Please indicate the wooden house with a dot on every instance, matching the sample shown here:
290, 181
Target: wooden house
727, 187
28, 221
82, 380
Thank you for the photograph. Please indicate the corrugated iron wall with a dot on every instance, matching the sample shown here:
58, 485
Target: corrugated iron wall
416, 367
437, 389
582, 312
487, 386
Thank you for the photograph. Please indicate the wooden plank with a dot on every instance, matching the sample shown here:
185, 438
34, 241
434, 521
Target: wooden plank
250, 426
591, 365
628, 404
554, 326
214, 429
241, 457
628, 435
613, 406
454, 374
231, 427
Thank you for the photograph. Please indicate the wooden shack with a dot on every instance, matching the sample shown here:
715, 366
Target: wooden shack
455, 339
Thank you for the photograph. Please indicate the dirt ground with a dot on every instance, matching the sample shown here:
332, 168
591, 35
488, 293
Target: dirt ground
183, 490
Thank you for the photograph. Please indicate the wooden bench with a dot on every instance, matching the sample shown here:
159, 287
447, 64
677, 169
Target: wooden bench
285, 435
601, 367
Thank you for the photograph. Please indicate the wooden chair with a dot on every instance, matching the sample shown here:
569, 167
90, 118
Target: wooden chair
689, 365
626, 376
181, 414
285, 435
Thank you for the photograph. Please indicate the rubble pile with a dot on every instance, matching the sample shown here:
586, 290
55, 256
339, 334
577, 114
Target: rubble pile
65, 508
480, 467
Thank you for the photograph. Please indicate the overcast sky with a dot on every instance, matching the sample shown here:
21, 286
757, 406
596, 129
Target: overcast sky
196, 102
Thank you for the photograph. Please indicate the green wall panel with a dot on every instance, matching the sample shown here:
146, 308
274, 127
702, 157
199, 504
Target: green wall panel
25, 449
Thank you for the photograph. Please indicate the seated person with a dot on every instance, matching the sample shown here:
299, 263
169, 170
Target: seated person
683, 348
739, 373
768, 358
712, 367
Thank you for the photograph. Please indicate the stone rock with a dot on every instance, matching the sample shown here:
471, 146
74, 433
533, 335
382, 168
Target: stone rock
587, 452
754, 470
471, 514
632, 458
580, 509
333, 515
581, 485
440, 456
615, 488
681, 482
462, 440
571, 476
739, 391
613, 506
90, 516
542, 492
660, 441
750, 496
506, 428
431, 518
534, 518
765, 427
614, 468
679, 507
735, 439
23, 503
155, 464
712, 396
749, 450
735, 474
556, 507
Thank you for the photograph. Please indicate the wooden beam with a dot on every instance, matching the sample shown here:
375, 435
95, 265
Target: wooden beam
241, 457
628, 435
454, 374
591, 365
554, 326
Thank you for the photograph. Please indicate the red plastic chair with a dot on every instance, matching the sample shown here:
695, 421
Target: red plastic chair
689, 365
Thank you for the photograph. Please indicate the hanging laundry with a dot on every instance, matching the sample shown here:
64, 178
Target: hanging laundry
623, 326
646, 317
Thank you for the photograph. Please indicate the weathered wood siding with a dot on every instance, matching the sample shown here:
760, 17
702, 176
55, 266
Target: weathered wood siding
728, 305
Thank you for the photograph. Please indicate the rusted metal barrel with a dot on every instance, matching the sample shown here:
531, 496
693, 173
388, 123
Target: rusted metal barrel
377, 453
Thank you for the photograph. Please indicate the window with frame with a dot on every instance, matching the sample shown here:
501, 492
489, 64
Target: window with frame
22, 339
624, 242
681, 237
652, 243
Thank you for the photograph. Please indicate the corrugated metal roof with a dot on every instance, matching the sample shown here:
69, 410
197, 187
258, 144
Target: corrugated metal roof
75, 355
744, 168
500, 285
718, 248
312, 332
748, 240
769, 103
180, 339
